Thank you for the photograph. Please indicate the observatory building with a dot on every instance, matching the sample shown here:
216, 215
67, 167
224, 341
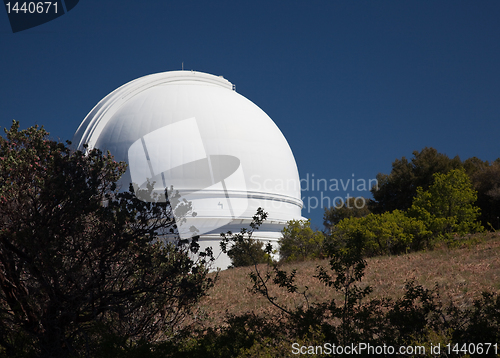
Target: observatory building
192, 131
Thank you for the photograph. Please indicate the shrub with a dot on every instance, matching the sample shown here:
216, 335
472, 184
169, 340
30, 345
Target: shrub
300, 242
387, 233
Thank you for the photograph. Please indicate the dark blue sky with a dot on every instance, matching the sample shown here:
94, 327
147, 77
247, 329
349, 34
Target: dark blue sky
352, 85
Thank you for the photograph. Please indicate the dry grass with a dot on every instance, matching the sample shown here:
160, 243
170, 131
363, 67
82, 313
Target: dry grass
461, 275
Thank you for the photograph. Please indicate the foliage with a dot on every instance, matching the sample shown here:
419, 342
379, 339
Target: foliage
77, 258
348, 264
348, 209
387, 233
481, 323
247, 253
396, 190
242, 249
448, 205
260, 279
300, 242
418, 318
486, 180
446, 208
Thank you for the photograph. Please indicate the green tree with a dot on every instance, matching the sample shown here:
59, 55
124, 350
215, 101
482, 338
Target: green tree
349, 208
448, 205
486, 180
79, 259
397, 190
300, 242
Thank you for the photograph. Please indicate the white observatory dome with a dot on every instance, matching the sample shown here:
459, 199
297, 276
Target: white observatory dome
218, 149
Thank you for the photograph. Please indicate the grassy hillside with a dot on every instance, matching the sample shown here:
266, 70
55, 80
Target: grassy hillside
461, 273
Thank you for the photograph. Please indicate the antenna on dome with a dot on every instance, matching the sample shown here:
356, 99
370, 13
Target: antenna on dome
183, 66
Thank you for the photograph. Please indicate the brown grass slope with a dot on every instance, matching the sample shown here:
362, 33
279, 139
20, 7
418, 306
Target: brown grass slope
461, 273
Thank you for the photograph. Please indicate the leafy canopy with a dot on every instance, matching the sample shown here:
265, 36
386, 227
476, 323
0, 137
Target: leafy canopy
348, 209
300, 242
78, 258
382, 234
448, 205
397, 190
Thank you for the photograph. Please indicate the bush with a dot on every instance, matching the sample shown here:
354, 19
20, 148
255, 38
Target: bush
247, 252
242, 249
387, 233
300, 242
348, 209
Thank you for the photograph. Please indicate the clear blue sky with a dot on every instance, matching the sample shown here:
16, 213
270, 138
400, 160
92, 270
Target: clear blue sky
352, 85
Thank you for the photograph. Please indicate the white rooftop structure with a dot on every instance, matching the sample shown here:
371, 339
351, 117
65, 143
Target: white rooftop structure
218, 149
